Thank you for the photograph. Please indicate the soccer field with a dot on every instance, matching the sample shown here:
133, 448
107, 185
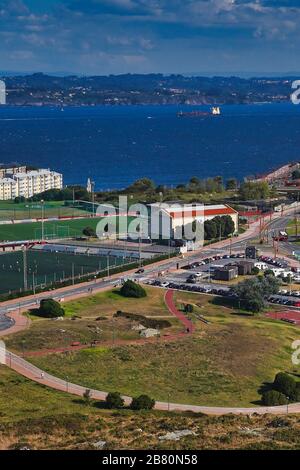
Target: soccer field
43, 268
34, 210
54, 229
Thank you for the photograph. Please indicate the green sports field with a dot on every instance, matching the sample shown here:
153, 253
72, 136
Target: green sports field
52, 229
34, 210
43, 268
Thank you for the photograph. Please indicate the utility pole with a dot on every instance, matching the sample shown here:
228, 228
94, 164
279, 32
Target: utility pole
107, 265
33, 283
73, 274
25, 281
140, 251
93, 196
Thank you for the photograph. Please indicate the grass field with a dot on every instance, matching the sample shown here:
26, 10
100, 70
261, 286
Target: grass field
43, 267
55, 229
35, 417
46, 334
32, 210
52, 229
224, 363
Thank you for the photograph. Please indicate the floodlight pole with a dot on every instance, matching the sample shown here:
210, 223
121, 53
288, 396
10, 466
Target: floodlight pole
43, 216
24, 249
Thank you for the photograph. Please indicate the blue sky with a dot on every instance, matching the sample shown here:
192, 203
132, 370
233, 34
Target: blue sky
142, 36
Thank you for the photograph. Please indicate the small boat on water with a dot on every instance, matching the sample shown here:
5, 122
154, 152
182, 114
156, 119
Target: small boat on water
215, 111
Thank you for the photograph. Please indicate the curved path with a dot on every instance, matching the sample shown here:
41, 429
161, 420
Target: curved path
169, 300
32, 372
37, 375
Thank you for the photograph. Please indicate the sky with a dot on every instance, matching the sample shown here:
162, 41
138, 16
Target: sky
100, 37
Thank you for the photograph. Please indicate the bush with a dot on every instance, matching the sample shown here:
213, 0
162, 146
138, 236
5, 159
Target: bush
143, 402
114, 400
89, 232
131, 289
274, 398
146, 322
255, 271
285, 384
188, 308
49, 308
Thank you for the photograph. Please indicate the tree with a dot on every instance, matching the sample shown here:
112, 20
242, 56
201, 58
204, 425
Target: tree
254, 190
296, 174
19, 199
274, 398
286, 384
253, 292
143, 402
231, 184
49, 308
114, 400
131, 289
142, 185
210, 230
89, 232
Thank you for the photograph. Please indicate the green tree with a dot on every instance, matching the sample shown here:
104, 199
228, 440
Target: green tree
114, 400
210, 229
142, 185
49, 308
231, 184
285, 384
131, 289
143, 402
296, 175
254, 190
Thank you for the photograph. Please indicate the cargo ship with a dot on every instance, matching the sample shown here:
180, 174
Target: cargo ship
215, 111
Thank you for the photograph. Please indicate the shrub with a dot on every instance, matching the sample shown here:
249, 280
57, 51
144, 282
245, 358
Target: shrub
274, 398
188, 308
114, 400
87, 396
49, 308
89, 232
143, 402
131, 289
285, 384
146, 322
255, 271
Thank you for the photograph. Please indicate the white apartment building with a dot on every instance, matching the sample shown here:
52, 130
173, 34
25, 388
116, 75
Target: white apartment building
29, 183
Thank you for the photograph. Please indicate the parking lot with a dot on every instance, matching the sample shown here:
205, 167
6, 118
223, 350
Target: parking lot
199, 277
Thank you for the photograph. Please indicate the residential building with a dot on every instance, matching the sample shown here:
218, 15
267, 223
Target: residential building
28, 183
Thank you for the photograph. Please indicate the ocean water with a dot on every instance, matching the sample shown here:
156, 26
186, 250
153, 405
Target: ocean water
117, 145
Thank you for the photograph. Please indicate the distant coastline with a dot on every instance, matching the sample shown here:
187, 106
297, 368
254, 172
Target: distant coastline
39, 89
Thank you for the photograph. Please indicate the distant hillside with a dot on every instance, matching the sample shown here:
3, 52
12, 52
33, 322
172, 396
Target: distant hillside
41, 89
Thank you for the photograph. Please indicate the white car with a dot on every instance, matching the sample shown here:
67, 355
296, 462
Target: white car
164, 284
